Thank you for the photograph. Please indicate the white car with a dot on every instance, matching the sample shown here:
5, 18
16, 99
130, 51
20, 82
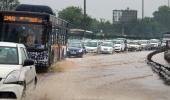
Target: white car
119, 46
144, 44
163, 44
106, 47
92, 47
154, 43
17, 72
134, 46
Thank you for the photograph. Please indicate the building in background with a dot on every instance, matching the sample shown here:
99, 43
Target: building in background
124, 16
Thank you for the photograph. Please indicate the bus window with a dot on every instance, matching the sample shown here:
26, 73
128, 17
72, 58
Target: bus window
29, 34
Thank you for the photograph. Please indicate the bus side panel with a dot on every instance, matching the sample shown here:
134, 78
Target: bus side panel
40, 58
64, 51
56, 54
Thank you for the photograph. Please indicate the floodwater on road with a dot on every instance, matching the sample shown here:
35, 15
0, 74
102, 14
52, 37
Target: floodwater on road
121, 76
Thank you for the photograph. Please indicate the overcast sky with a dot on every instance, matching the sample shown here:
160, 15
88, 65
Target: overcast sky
102, 8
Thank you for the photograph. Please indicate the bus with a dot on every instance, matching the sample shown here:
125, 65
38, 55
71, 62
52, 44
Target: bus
44, 35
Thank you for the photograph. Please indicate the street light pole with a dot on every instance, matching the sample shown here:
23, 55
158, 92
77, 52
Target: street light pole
84, 25
84, 8
142, 9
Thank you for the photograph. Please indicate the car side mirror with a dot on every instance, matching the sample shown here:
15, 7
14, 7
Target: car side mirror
28, 62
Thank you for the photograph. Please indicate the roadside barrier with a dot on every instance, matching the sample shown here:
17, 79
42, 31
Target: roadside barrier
162, 70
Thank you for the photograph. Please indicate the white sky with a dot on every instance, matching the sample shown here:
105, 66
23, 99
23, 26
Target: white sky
102, 8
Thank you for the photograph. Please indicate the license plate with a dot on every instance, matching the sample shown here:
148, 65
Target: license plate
73, 52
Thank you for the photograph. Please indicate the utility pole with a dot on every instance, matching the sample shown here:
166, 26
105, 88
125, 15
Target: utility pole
123, 29
84, 8
142, 9
84, 24
168, 3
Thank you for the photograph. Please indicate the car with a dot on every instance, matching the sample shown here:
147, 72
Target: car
154, 44
75, 49
119, 46
144, 44
163, 43
17, 71
134, 46
92, 46
106, 47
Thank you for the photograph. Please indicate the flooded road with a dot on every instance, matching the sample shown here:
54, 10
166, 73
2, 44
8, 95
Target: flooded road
121, 76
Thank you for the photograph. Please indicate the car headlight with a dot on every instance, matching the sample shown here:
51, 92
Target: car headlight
81, 50
68, 49
13, 77
155, 45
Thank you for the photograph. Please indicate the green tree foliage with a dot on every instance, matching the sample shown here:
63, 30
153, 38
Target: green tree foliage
95, 25
102, 26
149, 27
162, 16
75, 16
77, 20
8, 4
145, 28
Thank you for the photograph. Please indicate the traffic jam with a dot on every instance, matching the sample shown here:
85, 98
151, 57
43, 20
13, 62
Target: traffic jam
78, 48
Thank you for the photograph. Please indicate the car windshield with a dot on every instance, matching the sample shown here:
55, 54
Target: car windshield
29, 34
118, 42
154, 41
107, 44
78, 45
8, 55
91, 44
136, 43
143, 42
114, 41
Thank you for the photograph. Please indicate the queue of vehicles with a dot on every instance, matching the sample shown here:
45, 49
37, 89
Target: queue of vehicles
111, 46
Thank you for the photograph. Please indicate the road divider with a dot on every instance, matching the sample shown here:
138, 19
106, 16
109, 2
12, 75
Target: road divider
162, 70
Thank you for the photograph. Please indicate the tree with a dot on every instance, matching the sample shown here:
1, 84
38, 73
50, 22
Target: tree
8, 4
162, 16
95, 26
75, 16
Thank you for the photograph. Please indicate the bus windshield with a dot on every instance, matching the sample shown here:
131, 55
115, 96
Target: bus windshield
29, 34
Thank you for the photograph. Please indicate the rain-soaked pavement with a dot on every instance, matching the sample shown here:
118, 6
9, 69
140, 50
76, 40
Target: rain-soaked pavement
121, 76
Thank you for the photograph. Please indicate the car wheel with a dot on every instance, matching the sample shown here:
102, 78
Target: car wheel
81, 56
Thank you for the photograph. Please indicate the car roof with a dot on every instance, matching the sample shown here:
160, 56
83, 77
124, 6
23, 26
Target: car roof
154, 39
11, 44
93, 41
